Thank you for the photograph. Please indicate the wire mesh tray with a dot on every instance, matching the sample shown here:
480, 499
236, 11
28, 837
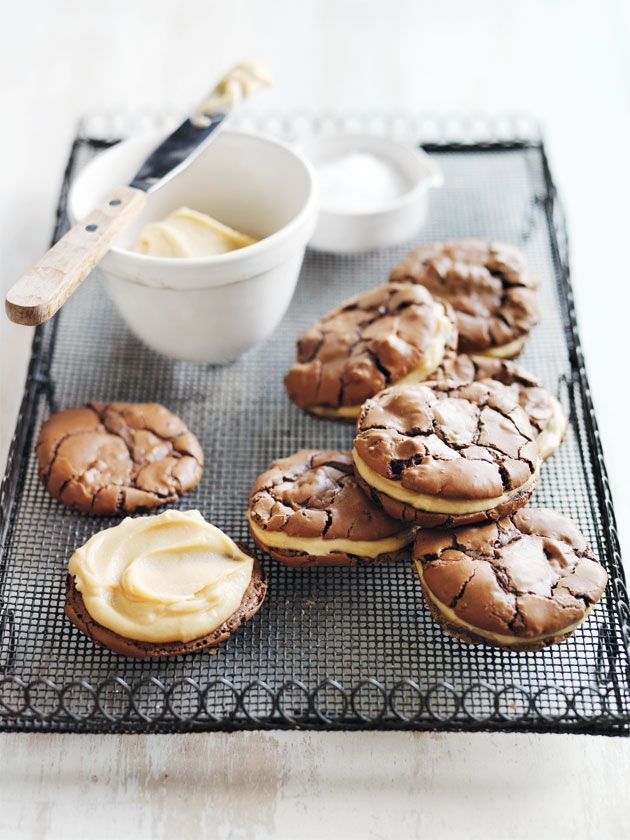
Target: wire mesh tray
332, 648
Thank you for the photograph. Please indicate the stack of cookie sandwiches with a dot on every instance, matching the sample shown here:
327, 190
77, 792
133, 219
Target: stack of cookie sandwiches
151, 586
449, 445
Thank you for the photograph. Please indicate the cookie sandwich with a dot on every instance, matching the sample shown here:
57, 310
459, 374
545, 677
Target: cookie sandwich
162, 585
117, 458
543, 409
396, 333
488, 284
308, 510
440, 455
524, 582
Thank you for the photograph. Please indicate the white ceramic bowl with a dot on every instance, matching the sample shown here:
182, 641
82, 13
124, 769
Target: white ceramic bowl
214, 308
396, 220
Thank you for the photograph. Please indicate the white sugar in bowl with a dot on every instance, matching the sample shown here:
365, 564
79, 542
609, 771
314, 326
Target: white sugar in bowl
374, 192
209, 309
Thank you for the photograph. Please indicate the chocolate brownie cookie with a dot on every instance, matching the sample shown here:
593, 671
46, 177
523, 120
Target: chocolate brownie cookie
162, 585
489, 286
524, 582
77, 613
398, 332
440, 455
307, 510
543, 409
114, 458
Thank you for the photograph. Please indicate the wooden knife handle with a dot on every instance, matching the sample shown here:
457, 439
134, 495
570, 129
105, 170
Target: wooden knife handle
40, 292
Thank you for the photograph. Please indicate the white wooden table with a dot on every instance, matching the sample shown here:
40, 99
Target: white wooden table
566, 62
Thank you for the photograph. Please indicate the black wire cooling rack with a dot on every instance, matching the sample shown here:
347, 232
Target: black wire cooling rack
331, 648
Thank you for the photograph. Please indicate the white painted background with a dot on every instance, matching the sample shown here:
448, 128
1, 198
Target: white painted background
564, 61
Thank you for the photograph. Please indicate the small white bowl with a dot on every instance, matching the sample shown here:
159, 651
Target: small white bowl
396, 220
210, 309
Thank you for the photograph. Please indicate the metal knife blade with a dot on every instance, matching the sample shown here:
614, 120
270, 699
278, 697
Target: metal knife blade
178, 150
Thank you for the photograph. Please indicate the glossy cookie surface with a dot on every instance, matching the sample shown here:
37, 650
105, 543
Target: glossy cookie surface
117, 458
542, 408
397, 332
488, 284
442, 455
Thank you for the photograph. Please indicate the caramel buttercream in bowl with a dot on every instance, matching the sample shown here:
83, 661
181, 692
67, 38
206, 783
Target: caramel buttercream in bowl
187, 233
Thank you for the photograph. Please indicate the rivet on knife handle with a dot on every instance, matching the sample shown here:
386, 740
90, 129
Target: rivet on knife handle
40, 292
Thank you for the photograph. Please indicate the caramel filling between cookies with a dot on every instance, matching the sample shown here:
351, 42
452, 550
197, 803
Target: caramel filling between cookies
504, 351
432, 504
166, 578
318, 547
551, 436
451, 616
344, 412
431, 360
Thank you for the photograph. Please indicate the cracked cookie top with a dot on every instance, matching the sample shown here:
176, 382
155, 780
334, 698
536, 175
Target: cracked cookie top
368, 343
462, 442
114, 458
315, 494
540, 406
464, 369
529, 574
488, 284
